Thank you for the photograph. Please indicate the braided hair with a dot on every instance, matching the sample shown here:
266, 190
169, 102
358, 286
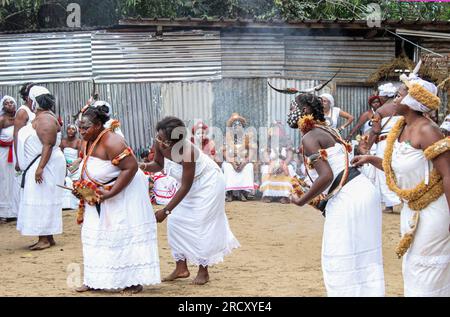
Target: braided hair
97, 114
309, 100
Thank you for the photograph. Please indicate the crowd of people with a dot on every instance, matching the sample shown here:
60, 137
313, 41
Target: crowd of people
399, 157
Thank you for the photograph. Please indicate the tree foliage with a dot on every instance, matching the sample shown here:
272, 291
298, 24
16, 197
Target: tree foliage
30, 14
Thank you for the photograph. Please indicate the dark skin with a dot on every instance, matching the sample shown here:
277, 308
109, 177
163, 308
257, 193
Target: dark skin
47, 128
72, 141
366, 116
386, 110
188, 153
20, 121
312, 142
7, 119
109, 147
420, 132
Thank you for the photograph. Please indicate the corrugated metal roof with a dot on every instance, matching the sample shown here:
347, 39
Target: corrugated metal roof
319, 57
49, 57
174, 56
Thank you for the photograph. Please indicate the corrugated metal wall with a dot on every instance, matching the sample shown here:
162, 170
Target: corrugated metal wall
319, 57
248, 97
189, 101
45, 57
252, 55
354, 100
176, 56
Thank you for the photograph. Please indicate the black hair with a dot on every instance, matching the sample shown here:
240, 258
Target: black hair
145, 154
168, 124
46, 102
25, 90
314, 102
97, 114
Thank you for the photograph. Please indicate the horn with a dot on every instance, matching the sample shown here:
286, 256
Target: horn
288, 91
417, 68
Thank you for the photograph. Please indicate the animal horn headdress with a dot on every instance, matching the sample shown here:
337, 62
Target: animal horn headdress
292, 91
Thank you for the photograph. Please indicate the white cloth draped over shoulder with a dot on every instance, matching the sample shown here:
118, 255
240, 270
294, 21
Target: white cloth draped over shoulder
120, 246
198, 230
352, 261
426, 265
388, 197
40, 210
7, 176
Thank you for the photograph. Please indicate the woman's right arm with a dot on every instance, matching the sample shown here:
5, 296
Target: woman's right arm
368, 159
157, 165
362, 119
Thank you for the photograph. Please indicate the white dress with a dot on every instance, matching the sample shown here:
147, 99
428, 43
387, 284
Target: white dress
352, 261
69, 200
120, 246
426, 265
243, 180
40, 210
17, 191
332, 117
388, 197
7, 176
198, 229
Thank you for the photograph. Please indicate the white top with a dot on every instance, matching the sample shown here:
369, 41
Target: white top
31, 114
70, 154
7, 134
390, 124
331, 118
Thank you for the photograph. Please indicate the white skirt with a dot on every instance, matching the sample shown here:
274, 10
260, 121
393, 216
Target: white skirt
198, 229
238, 181
352, 261
6, 185
388, 197
120, 247
40, 210
426, 265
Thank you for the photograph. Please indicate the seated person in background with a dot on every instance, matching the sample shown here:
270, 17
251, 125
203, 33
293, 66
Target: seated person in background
201, 140
240, 153
276, 179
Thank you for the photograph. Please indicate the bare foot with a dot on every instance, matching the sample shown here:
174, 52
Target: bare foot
176, 274
3, 221
83, 288
266, 200
133, 289
41, 246
52, 241
284, 200
201, 278
388, 210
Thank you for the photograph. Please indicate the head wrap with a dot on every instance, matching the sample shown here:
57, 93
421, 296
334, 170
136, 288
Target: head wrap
373, 98
387, 90
446, 124
72, 126
100, 103
329, 98
199, 125
35, 92
3, 100
236, 117
422, 95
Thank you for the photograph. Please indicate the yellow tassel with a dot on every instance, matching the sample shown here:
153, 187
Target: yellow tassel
404, 244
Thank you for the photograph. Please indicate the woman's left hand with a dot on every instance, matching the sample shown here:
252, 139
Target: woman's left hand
38, 176
104, 194
160, 215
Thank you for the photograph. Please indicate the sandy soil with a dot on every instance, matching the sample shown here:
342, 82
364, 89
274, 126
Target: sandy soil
279, 256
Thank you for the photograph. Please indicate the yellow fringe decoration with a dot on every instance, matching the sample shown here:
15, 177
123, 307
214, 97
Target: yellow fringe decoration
418, 198
437, 148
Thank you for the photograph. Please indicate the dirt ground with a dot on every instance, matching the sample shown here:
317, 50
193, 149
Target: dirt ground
279, 256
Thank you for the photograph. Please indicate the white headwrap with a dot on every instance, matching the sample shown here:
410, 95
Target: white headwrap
37, 91
329, 98
100, 103
3, 100
387, 90
409, 100
446, 124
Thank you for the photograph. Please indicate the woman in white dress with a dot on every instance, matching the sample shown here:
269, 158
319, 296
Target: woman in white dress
7, 113
197, 227
352, 262
417, 168
332, 113
119, 235
71, 147
43, 166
